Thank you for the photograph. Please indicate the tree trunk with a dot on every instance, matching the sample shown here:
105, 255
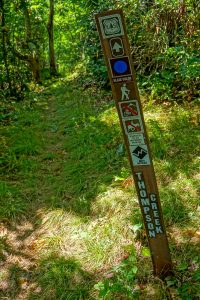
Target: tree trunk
32, 58
50, 25
52, 61
35, 68
28, 29
4, 50
33, 62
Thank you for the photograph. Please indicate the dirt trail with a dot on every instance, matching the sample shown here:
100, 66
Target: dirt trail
19, 259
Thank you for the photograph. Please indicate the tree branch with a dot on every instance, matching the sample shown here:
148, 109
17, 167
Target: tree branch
28, 29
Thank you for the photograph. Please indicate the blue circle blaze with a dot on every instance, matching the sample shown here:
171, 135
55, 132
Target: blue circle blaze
120, 67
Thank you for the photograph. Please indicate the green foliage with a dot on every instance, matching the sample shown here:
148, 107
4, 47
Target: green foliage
20, 146
187, 286
120, 281
165, 49
71, 187
62, 278
12, 203
164, 40
179, 80
63, 163
17, 45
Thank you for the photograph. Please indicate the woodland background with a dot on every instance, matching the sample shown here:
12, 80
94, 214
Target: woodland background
70, 222
164, 37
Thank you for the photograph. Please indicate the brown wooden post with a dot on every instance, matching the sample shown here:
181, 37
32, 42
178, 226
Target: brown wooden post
115, 44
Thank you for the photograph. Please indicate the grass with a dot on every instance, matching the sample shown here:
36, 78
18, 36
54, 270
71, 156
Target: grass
71, 226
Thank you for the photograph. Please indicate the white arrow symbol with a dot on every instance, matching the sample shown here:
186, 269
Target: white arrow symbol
117, 47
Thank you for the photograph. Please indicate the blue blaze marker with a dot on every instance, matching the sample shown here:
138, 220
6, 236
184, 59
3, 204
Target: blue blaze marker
120, 66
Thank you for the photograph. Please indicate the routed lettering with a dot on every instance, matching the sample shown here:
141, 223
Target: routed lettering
155, 213
153, 197
159, 229
148, 218
143, 193
152, 233
154, 206
157, 221
150, 226
145, 202
146, 209
141, 185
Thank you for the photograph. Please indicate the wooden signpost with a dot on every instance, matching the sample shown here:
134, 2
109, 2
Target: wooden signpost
115, 44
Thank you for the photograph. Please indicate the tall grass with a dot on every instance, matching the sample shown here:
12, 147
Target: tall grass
64, 174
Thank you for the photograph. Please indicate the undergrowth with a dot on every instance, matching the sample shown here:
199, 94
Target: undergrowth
65, 172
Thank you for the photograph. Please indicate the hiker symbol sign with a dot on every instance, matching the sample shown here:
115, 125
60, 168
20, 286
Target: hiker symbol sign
125, 92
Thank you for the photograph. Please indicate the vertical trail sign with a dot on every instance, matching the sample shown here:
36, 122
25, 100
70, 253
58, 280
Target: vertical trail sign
115, 44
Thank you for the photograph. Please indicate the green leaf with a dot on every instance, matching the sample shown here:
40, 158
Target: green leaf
135, 227
171, 281
134, 269
182, 267
117, 178
99, 285
129, 248
196, 275
146, 252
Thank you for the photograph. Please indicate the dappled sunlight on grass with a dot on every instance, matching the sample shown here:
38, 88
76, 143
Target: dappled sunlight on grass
110, 117
97, 241
67, 175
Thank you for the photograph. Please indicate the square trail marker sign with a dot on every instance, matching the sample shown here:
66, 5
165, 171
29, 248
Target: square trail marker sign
111, 26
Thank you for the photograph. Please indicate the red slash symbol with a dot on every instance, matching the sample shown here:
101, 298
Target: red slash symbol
133, 126
129, 110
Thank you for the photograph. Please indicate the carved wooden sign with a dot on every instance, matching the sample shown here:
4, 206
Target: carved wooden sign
115, 44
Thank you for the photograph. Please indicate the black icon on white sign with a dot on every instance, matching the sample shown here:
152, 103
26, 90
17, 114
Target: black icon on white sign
140, 155
117, 47
140, 152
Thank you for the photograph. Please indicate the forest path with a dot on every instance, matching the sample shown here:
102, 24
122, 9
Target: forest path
69, 214
56, 167
36, 157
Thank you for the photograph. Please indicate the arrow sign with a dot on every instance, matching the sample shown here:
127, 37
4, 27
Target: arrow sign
116, 46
